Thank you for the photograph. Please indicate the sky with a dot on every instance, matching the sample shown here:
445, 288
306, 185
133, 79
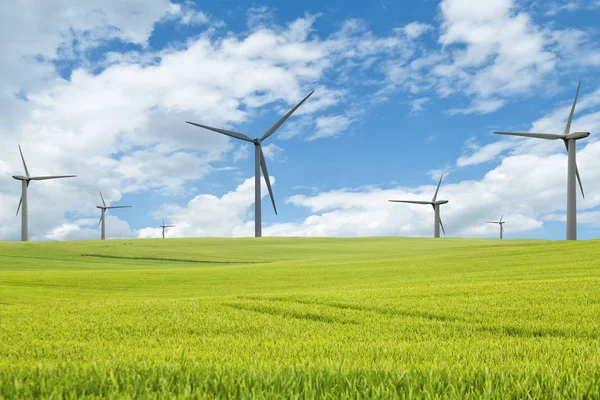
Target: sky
404, 91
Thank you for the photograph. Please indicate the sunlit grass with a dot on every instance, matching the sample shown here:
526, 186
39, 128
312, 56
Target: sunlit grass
384, 317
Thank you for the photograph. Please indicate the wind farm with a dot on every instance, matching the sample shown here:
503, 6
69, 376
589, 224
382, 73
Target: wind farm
178, 284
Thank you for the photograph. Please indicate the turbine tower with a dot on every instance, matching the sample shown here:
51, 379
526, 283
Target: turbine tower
23, 202
572, 171
500, 222
259, 162
104, 207
163, 226
437, 221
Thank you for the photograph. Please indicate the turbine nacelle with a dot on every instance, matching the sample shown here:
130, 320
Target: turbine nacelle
440, 202
21, 178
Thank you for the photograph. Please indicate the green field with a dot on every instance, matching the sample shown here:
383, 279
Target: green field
300, 318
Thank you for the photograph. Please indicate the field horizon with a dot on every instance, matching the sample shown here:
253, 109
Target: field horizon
278, 317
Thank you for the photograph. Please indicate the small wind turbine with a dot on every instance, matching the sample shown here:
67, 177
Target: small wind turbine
163, 226
259, 162
499, 223
437, 221
23, 202
572, 171
104, 207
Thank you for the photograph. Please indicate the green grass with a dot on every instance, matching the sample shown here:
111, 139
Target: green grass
300, 318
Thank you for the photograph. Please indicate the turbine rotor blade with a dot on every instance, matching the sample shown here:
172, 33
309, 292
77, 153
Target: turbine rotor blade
102, 197
442, 226
576, 171
284, 118
501, 218
263, 165
579, 180
111, 207
170, 226
44, 178
549, 136
24, 164
568, 127
21, 200
492, 222
232, 134
19, 206
410, 201
163, 221
437, 189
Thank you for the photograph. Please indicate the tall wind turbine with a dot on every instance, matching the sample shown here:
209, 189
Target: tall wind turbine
437, 221
104, 207
259, 162
572, 171
163, 226
23, 202
500, 222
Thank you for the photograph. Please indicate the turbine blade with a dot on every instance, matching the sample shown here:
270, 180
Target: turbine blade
576, 171
19, 206
223, 131
550, 136
163, 221
579, 180
284, 118
111, 207
263, 165
44, 178
170, 226
100, 220
568, 127
437, 189
102, 197
24, 165
492, 222
410, 201
501, 218
21, 200
442, 226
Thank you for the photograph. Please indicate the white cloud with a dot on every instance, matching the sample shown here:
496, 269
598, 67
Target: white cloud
330, 126
208, 215
416, 29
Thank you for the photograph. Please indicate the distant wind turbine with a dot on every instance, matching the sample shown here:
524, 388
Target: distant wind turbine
500, 222
259, 162
163, 226
572, 171
437, 221
23, 202
104, 207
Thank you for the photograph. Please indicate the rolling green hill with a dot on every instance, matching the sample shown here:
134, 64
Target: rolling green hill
298, 317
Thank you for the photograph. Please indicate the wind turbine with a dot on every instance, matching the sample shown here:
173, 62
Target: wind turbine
499, 223
259, 162
572, 171
437, 221
104, 207
163, 226
23, 202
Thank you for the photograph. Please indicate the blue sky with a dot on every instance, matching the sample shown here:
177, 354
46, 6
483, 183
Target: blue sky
402, 94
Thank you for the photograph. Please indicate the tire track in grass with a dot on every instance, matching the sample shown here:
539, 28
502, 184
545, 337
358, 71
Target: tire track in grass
310, 316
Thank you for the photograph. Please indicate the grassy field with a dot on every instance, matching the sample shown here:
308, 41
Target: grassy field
300, 318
